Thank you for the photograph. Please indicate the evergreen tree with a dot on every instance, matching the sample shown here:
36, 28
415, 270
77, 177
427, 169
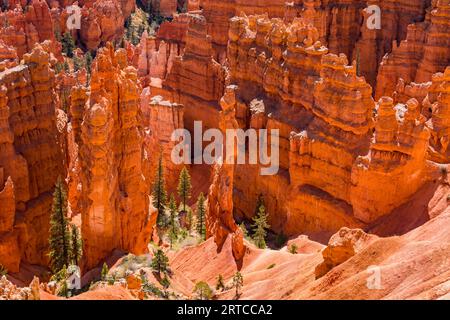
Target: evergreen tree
189, 219
63, 288
88, 62
159, 193
68, 45
149, 7
77, 245
59, 241
173, 223
259, 227
203, 291
3, 271
201, 212
105, 270
244, 230
220, 285
293, 249
165, 282
238, 282
184, 187
77, 64
160, 262
66, 66
259, 203
358, 62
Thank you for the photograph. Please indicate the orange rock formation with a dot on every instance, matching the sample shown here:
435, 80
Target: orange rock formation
114, 211
321, 113
30, 160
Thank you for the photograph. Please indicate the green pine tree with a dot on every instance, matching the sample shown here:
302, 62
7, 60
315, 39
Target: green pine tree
149, 7
259, 228
220, 285
203, 291
66, 66
68, 44
77, 244
238, 282
63, 288
159, 194
259, 203
201, 212
59, 240
189, 219
244, 230
88, 62
105, 271
173, 223
160, 262
184, 187
77, 64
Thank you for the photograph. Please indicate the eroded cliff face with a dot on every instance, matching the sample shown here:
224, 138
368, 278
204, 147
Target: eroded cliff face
31, 22
30, 161
161, 119
342, 24
323, 111
220, 221
196, 80
114, 204
425, 51
23, 29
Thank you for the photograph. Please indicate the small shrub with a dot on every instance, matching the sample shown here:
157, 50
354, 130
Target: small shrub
165, 282
220, 285
3, 271
105, 271
293, 249
271, 266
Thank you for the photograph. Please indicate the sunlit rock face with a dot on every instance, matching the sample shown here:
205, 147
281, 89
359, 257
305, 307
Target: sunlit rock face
425, 51
30, 159
114, 195
334, 163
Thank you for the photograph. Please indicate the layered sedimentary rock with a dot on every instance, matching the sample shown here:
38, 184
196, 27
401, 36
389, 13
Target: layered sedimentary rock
196, 80
438, 100
8, 56
114, 201
161, 119
341, 247
23, 29
153, 61
30, 160
174, 32
342, 24
395, 167
218, 14
219, 219
424, 52
323, 112
101, 22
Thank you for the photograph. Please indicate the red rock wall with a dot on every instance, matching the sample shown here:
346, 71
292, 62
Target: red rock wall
424, 52
324, 113
196, 80
31, 159
160, 119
